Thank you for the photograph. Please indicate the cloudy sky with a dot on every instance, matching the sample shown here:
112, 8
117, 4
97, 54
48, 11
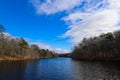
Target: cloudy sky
59, 24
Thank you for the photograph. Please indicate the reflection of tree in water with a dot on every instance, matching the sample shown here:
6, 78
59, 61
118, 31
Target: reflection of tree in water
96, 70
12, 70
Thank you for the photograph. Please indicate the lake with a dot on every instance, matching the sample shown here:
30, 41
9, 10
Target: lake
58, 69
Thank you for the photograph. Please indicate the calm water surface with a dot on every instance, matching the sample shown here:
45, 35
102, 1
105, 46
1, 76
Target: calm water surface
58, 69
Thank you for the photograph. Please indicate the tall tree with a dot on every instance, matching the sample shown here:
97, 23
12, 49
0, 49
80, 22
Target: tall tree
2, 29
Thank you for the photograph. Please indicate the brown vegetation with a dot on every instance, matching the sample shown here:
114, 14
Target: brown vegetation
18, 48
103, 47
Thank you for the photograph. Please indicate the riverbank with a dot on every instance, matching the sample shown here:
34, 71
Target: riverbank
21, 58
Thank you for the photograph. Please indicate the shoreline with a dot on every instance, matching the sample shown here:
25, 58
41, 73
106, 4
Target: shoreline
21, 58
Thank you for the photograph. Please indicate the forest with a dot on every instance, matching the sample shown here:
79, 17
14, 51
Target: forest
103, 47
12, 48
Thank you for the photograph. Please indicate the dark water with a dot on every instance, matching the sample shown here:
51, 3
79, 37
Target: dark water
59, 69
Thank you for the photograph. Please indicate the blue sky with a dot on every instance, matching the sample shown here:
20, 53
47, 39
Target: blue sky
20, 19
58, 24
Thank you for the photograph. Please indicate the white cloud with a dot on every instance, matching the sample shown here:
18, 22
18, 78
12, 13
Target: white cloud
7, 36
93, 23
91, 19
101, 22
54, 6
46, 46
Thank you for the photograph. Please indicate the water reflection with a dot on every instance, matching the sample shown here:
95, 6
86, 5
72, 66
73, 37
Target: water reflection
10, 70
49, 69
96, 70
58, 69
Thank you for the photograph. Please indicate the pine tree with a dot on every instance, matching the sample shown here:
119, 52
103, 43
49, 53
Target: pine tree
2, 29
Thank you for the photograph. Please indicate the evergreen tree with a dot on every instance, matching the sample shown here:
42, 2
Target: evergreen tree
2, 29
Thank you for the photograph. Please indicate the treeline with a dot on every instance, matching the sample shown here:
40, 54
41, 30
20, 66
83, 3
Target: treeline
19, 48
64, 55
103, 47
